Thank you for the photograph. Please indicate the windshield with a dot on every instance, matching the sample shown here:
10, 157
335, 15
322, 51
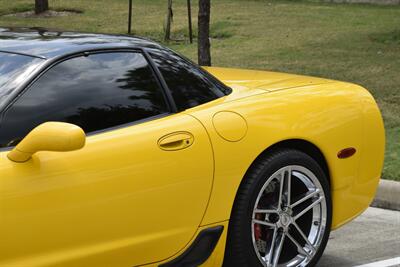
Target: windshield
14, 69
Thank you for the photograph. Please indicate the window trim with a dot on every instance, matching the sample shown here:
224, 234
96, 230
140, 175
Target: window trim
128, 124
162, 81
171, 107
224, 89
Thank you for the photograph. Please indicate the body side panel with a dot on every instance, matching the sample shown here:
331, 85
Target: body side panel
352, 200
329, 116
119, 201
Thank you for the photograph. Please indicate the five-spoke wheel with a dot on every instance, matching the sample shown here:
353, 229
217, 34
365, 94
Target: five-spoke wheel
285, 204
291, 207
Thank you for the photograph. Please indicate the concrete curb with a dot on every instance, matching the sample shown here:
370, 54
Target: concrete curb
387, 195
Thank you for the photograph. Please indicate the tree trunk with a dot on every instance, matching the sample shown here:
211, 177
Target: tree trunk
204, 54
190, 21
41, 6
170, 15
130, 17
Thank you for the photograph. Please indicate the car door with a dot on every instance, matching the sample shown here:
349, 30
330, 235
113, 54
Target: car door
136, 192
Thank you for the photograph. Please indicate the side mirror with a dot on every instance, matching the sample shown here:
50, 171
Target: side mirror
49, 136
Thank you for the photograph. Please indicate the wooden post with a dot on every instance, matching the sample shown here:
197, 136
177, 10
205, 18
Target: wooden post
41, 6
190, 21
167, 36
130, 17
204, 54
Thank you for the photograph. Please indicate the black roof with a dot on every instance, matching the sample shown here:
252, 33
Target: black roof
46, 43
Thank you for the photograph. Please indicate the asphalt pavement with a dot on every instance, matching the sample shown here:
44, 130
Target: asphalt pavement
373, 240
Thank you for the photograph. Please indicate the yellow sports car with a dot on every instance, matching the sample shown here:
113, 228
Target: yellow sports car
116, 151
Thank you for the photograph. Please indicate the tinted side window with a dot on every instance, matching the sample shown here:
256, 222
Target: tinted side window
188, 85
94, 92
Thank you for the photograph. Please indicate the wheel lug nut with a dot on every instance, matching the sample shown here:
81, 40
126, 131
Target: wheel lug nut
316, 223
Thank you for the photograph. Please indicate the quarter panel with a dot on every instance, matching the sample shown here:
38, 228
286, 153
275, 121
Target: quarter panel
329, 116
352, 200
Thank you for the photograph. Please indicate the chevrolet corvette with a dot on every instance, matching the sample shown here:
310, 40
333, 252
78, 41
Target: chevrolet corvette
116, 151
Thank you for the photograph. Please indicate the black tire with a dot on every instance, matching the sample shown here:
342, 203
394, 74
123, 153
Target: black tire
240, 250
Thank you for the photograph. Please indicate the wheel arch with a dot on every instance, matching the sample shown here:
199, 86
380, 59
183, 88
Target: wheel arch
299, 144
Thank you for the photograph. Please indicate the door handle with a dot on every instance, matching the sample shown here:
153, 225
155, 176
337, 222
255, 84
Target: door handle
176, 141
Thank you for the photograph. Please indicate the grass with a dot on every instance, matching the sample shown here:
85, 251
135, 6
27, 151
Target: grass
355, 43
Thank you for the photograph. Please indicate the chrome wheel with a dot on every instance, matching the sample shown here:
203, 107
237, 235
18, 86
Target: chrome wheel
289, 218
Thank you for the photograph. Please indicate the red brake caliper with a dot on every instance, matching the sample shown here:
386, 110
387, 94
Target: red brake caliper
257, 228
